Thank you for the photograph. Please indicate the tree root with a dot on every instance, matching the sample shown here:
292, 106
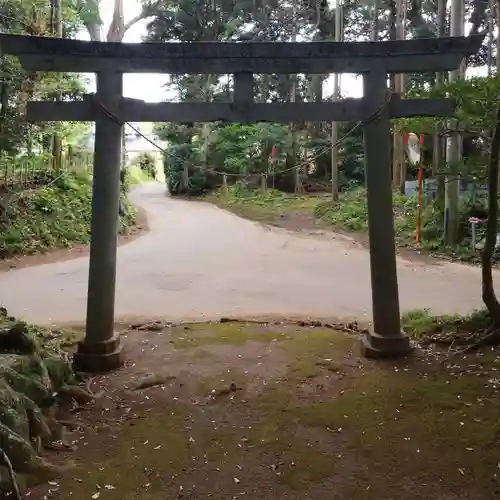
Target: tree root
153, 381
490, 337
12, 475
72, 425
76, 393
451, 339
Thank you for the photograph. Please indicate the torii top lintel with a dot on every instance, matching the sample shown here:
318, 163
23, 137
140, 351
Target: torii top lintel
420, 55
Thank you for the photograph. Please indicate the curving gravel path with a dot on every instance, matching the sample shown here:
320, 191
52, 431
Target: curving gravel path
198, 261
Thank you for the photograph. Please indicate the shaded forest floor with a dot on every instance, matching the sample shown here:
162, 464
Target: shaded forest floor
316, 212
274, 411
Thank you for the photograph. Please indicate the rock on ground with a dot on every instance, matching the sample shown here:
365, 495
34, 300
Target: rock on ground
33, 372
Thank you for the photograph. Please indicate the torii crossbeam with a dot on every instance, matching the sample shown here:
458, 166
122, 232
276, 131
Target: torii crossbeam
101, 348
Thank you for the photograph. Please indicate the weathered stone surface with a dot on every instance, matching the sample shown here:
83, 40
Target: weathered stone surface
32, 375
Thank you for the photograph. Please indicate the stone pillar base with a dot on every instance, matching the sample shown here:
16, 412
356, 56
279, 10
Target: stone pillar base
374, 345
99, 357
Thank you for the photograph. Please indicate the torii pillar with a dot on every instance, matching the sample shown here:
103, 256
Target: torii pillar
386, 338
101, 349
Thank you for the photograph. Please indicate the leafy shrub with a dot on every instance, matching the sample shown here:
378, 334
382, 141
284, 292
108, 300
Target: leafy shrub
54, 216
180, 160
147, 163
349, 213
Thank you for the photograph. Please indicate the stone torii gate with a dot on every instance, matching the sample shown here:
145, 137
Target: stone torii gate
101, 348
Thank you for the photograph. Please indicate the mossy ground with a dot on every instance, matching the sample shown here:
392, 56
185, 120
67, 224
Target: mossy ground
269, 207
279, 411
57, 216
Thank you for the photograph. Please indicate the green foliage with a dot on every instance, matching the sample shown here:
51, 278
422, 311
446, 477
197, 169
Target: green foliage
147, 163
421, 323
24, 171
135, 177
244, 151
181, 166
349, 213
18, 86
55, 216
475, 99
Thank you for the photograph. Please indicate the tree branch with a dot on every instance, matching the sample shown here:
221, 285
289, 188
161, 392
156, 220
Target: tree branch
134, 20
12, 475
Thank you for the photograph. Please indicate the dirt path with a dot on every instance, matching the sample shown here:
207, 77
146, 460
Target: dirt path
198, 261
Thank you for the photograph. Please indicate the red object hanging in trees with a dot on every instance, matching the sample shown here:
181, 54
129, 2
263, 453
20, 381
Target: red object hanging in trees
274, 152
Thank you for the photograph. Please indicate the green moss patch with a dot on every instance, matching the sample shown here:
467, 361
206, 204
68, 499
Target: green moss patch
269, 206
388, 434
56, 216
430, 430
146, 450
238, 333
331, 425
233, 333
422, 325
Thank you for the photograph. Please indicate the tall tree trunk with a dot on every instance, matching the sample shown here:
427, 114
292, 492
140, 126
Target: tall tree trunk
398, 160
489, 297
293, 97
206, 128
116, 30
498, 37
454, 144
374, 21
438, 149
336, 96
491, 27
4, 102
4, 96
118, 26
57, 30
391, 30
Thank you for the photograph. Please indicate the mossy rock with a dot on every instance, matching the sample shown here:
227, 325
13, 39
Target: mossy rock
18, 339
13, 411
59, 371
32, 373
27, 375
